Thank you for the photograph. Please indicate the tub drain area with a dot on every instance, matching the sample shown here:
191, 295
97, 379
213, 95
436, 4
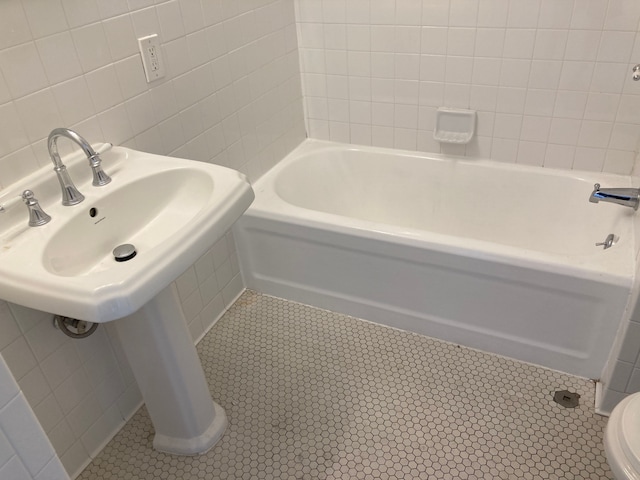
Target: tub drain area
566, 398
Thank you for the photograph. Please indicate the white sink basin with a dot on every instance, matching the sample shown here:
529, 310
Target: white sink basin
172, 210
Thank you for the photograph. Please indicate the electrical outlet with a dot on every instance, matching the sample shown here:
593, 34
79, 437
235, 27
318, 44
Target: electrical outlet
151, 57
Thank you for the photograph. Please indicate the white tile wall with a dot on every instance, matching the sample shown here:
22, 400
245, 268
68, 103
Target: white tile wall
25, 451
232, 96
621, 375
550, 79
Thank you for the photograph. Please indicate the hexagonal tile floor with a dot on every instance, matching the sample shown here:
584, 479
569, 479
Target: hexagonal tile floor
312, 394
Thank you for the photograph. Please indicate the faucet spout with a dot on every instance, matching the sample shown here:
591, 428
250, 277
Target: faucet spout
628, 197
70, 194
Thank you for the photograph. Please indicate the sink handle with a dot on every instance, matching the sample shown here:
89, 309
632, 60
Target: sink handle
37, 216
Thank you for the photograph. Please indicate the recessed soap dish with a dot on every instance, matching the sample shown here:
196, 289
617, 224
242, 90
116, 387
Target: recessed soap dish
455, 125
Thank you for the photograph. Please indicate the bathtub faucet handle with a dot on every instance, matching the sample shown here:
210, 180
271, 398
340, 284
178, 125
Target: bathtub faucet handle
609, 242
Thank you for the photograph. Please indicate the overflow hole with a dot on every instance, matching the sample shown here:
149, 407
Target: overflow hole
93, 212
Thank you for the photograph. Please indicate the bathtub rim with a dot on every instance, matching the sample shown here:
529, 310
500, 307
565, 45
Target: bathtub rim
611, 266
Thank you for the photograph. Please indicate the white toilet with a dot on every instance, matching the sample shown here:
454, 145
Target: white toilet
622, 439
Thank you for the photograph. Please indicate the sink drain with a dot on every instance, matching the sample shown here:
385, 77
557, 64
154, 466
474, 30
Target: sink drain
124, 252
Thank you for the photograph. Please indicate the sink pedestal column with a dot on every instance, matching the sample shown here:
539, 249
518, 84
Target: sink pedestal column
165, 363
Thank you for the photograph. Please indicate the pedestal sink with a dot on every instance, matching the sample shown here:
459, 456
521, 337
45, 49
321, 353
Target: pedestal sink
172, 210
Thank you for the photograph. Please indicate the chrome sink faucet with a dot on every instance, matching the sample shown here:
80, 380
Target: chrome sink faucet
70, 194
629, 197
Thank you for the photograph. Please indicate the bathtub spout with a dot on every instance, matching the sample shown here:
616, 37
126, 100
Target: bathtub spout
629, 197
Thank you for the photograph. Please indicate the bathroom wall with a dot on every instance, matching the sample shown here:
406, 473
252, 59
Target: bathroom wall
25, 450
550, 79
231, 96
621, 375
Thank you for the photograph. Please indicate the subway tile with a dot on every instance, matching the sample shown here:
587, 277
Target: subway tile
48, 413
463, 13
489, 42
535, 129
483, 97
120, 37
8, 325
582, 45
19, 358
16, 165
92, 46
75, 458
504, 150
59, 57
73, 100
633, 385
631, 343
590, 159
550, 44
564, 131
44, 339
621, 376
519, 43
531, 153
540, 102
555, 14
545, 74
22, 69
576, 76
589, 15
6, 449
145, 22
620, 162
570, 104
625, 137
61, 437
48, 118
95, 437
8, 386
487, 71
435, 13
53, 471
34, 386
45, 17
25, 434
616, 46
622, 15
15, 470
232, 290
81, 12
602, 106
594, 134
14, 27
559, 156
5, 95
493, 13
112, 8
515, 73
608, 77
73, 391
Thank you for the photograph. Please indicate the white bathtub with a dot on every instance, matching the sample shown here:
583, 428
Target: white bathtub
493, 256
